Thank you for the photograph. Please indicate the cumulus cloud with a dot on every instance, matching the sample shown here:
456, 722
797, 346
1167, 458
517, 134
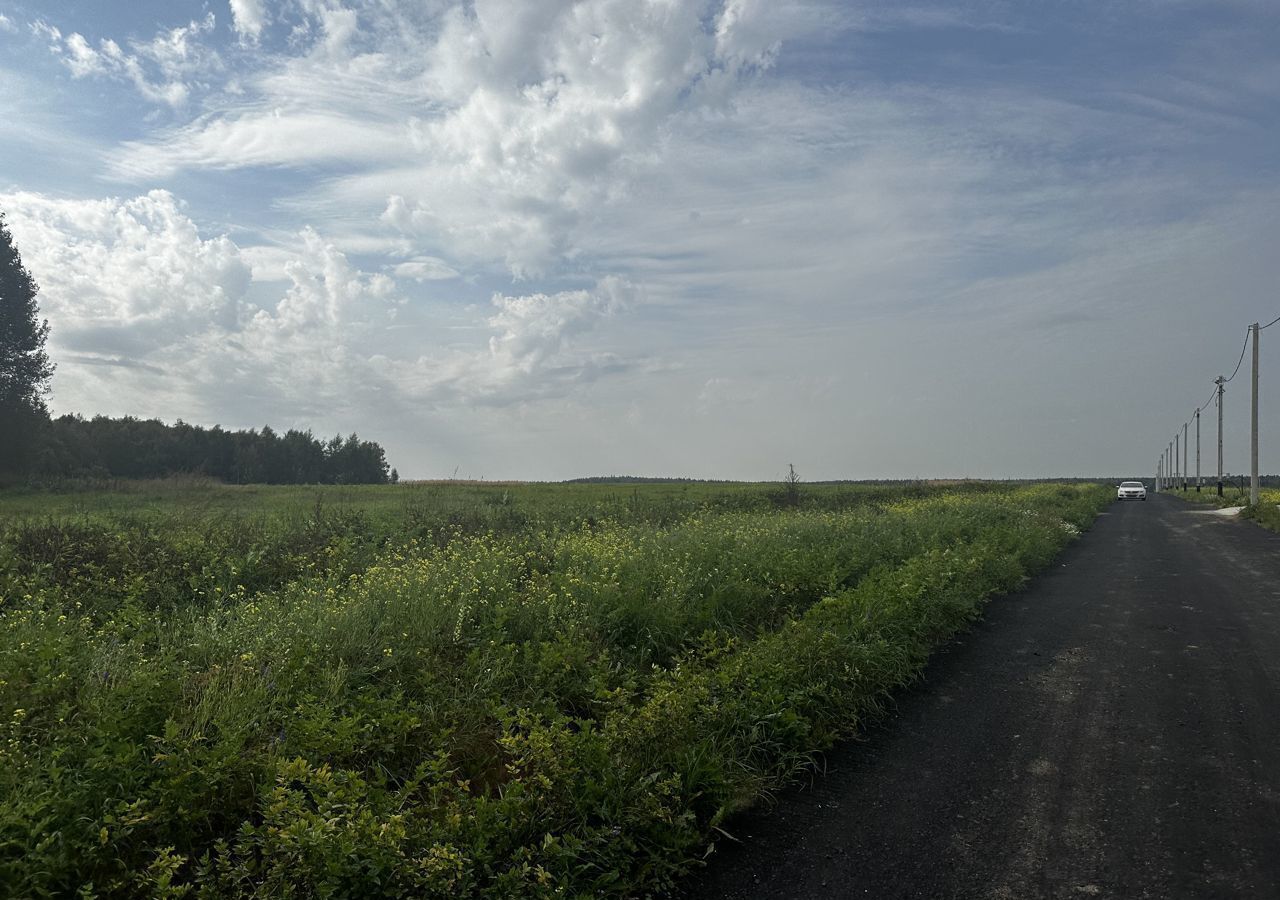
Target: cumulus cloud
326, 291
546, 106
531, 352
142, 305
132, 284
493, 128
133, 271
248, 18
532, 329
163, 70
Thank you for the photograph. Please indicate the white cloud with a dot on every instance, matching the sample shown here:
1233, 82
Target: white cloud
126, 272
493, 128
163, 70
133, 284
530, 353
546, 107
265, 138
326, 291
150, 317
742, 36
267, 263
534, 328
7, 24
248, 18
426, 268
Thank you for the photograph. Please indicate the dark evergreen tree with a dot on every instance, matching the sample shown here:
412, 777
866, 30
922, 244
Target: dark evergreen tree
24, 366
305, 455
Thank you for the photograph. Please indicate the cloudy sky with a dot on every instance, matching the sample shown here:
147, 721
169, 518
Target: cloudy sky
537, 239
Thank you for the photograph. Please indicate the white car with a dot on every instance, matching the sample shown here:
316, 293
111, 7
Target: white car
1131, 490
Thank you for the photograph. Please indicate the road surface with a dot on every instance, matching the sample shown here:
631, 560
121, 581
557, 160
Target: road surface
1111, 731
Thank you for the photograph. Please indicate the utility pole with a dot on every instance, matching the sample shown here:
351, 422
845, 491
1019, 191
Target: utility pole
1197, 450
1177, 455
1186, 445
1220, 382
1253, 419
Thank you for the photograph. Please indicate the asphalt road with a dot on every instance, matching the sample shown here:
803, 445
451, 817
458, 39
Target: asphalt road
1113, 730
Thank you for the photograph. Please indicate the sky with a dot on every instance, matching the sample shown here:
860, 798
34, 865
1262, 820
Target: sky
524, 239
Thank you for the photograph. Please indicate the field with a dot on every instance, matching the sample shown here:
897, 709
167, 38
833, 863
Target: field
457, 690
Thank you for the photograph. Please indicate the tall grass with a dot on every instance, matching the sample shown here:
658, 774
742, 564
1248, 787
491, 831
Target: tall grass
567, 704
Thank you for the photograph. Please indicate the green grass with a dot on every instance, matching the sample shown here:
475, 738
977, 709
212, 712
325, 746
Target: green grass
457, 690
413, 504
1266, 513
1232, 494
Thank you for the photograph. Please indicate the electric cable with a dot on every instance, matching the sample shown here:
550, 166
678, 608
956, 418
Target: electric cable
1212, 397
1241, 359
1243, 350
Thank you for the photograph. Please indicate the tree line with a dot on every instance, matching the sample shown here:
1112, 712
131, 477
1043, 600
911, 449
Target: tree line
32, 445
148, 448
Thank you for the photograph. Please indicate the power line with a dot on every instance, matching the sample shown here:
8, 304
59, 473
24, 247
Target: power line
1217, 395
1242, 352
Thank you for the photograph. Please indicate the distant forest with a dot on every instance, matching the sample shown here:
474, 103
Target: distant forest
148, 448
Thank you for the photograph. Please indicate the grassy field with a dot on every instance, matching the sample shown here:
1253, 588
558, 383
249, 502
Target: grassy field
411, 504
457, 690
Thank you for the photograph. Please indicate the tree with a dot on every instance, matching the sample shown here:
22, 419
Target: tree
24, 366
147, 448
791, 487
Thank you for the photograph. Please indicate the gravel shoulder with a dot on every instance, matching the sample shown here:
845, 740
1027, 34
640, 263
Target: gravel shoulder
1109, 731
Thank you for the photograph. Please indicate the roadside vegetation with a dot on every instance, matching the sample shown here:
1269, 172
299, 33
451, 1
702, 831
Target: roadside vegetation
1236, 493
457, 690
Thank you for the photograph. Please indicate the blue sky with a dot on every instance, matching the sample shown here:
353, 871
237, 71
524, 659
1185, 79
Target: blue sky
707, 238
